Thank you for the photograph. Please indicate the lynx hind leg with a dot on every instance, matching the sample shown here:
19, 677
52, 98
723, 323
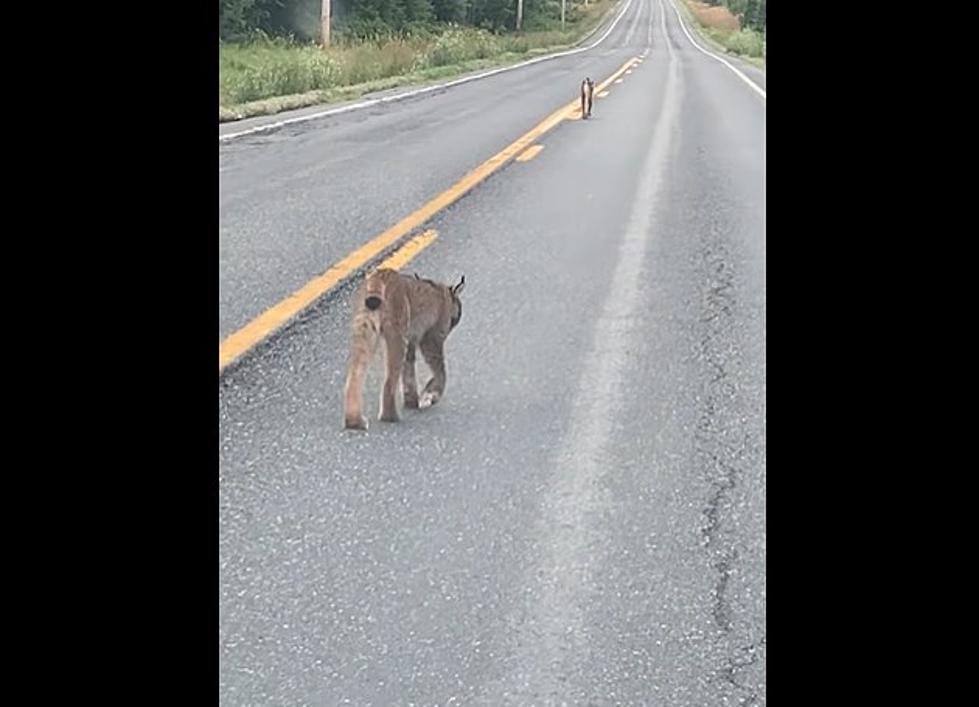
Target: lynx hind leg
409, 382
433, 352
363, 343
394, 350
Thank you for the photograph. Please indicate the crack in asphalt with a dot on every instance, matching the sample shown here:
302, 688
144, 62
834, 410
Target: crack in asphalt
722, 444
729, 672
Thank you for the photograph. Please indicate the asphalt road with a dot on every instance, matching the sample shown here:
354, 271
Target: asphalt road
581, 520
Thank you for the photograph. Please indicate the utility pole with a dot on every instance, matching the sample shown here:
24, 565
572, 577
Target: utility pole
562, 15
325, 23
519, 13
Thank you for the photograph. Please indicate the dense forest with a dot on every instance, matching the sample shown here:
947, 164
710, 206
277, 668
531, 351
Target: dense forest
370, 18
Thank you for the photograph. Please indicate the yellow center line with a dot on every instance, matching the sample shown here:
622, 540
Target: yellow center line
277, 316
530, 153
406, 253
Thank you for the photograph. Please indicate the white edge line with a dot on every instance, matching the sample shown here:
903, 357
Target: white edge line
420, 91
760, 91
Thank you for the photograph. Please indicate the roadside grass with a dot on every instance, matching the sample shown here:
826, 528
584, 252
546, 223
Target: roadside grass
721, 29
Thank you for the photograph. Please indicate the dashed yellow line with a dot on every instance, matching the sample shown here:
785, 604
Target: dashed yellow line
406, 253
530, 153
277, 316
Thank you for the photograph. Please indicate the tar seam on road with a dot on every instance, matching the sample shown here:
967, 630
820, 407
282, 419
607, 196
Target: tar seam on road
575, 495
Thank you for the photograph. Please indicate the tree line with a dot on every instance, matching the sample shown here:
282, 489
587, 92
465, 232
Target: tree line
240, 19
372, 18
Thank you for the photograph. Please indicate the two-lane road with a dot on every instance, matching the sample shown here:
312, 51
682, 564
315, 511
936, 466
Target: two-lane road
582, 519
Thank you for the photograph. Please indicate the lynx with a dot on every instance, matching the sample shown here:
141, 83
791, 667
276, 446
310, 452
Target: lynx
405, 311
587, 90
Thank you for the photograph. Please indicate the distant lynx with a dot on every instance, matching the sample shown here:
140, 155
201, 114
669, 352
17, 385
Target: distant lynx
405, 311
587, 92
